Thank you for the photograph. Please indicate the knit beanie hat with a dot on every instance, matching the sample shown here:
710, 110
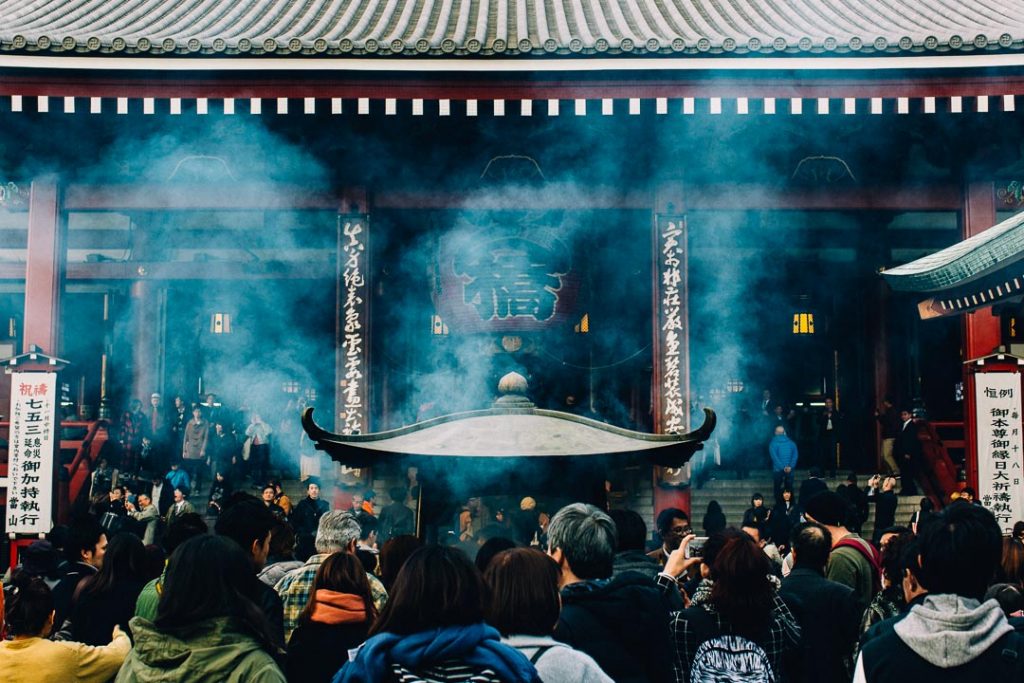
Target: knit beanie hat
828, 508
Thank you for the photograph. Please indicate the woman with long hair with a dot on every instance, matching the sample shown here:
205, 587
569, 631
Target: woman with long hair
432, 627
336, 619
523, 604
1011, 568
741, 608
393, 555
107, 598
30, 656
714, 518
207, 626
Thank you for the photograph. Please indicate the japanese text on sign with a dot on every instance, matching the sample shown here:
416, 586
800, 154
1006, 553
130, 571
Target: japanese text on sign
670, 282
353, 342
1000, 440
31, 452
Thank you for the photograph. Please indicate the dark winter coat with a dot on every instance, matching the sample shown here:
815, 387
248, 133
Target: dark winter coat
829, 618
317, 651
622, 623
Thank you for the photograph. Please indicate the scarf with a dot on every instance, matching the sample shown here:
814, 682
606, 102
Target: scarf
476, 645
332, 607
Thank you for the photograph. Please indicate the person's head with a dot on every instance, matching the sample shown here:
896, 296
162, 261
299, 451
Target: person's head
183, 528
522, 596
397, 494
888, 484
1018, 530
893, 547
135, 405
629, 529
357, 501
367, 528
754, 531
340, 572
960, 551
672, 524
124, 560
313, 488
787, 494
338, 530
197, 413
207, 577
780, 430
887, 402
714, 508
282, 541
155, 400
437, 587
827, 508
393, 555
927, 505
968, 494
905, 415
28, 606
144, 500
742, 592
811, 545
581, 539
1009, 596
86, 543
211, 399
490, 549
117, 493
716, 541
248, 523
268, 493
829, 403
218, 428
1011, 567
278, 488
816, 473
179, 402
757, 500
777, 409
851, 478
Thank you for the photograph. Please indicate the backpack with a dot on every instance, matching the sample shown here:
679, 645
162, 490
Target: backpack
725, 658
870, 554
731, 659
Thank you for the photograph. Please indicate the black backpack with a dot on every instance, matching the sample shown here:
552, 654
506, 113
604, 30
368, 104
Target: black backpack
726, 658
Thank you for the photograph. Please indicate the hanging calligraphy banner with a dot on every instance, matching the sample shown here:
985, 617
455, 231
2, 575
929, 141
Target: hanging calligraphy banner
505, 278
31, 452
352, 363
999, 442
671, 334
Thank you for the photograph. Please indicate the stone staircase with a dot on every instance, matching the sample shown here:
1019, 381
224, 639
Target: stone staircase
734, 497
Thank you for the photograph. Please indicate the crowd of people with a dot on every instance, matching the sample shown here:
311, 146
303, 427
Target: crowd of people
781, 436
271, 590
207, 440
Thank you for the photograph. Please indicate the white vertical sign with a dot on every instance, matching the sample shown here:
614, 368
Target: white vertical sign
1000, 441
31, 452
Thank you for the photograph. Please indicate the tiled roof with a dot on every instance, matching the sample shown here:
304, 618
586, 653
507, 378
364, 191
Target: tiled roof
964, 262
509, 27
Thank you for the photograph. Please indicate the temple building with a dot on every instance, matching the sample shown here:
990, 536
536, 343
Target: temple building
644, 208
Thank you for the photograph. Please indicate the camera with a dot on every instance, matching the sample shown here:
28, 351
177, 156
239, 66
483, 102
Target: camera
696, 547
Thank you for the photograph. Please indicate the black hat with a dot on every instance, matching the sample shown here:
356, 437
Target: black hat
828, 508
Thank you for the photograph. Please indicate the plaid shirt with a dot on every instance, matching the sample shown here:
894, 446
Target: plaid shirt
780, 645
296, 587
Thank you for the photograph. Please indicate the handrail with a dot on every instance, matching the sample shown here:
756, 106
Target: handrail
86, 445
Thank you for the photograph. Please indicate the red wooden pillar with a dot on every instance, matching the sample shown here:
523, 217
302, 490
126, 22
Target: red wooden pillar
981, 328
44, 274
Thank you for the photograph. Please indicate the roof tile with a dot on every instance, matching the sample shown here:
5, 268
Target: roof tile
460, 28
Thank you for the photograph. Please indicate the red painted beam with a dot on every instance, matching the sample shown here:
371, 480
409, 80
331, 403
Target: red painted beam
528, 86
238, 196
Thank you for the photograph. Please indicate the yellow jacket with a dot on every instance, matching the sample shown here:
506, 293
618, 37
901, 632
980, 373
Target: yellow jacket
37, 659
